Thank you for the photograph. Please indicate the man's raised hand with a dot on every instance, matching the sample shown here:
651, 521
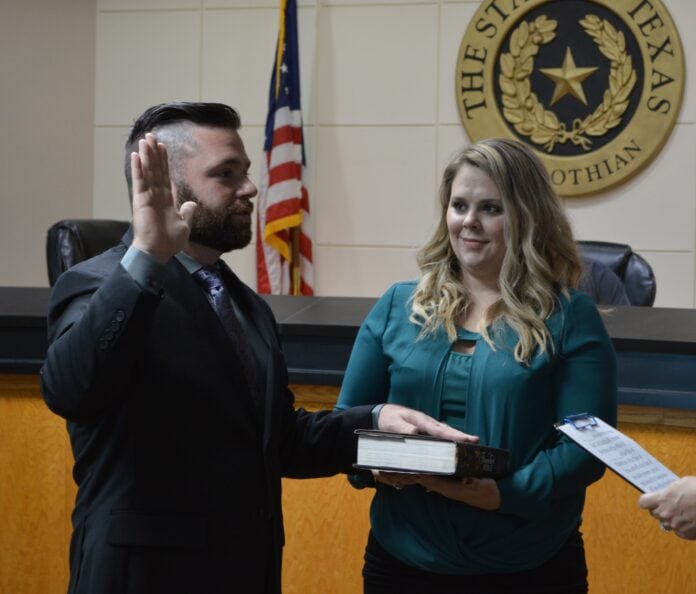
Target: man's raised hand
160, 227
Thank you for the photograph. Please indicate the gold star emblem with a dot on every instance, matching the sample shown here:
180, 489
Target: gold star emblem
568, 78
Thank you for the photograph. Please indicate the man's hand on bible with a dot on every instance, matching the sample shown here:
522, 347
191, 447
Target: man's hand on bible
400, 419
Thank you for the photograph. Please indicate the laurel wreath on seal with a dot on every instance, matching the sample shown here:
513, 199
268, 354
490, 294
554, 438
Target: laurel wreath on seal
527, 114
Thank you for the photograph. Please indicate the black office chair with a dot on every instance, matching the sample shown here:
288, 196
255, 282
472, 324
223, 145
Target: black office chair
633, 270
72, 240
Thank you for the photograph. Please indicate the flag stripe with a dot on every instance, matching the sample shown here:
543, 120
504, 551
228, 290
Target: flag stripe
281, 211
286, 172
282, 191
287, 134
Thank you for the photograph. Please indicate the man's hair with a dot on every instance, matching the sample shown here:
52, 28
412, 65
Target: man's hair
541, 258
176, 118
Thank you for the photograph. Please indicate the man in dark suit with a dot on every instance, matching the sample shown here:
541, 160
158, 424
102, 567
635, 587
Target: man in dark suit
174, 386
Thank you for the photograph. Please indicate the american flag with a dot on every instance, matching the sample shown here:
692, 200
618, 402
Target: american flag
283, 204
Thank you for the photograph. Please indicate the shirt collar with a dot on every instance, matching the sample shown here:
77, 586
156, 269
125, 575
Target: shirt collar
190, 264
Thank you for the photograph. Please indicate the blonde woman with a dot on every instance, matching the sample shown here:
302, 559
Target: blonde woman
495, 341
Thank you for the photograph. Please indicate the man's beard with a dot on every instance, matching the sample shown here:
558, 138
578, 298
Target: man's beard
216, 230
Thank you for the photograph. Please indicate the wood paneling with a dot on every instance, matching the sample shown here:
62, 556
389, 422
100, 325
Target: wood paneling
326, 520
326, 526
36, 491
626, 550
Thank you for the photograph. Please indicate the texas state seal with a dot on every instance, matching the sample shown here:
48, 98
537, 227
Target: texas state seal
593, 86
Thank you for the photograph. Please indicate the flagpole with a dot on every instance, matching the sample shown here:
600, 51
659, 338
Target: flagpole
295, 272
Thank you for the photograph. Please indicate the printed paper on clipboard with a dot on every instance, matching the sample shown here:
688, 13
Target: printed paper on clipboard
618, 451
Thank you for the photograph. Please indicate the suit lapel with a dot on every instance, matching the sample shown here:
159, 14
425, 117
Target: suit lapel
261, 337
181, 286
266, 352
251, 306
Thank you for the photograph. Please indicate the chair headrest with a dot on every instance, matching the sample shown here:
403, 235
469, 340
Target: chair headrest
73, 240
639, 280
613, 255
634, 271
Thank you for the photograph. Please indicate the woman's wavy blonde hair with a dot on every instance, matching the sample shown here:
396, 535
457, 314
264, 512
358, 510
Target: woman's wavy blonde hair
541, 259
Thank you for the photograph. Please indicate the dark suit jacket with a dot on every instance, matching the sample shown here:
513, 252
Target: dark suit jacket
178, 464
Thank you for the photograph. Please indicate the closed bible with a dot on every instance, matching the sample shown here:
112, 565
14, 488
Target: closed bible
423, 454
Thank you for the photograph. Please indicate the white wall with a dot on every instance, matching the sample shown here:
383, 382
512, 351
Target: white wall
381, 120
46, 125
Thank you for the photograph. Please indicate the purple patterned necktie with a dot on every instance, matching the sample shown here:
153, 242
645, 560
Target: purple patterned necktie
214, 286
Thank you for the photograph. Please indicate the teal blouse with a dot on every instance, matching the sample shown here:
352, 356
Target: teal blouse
455, 389
508, 405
